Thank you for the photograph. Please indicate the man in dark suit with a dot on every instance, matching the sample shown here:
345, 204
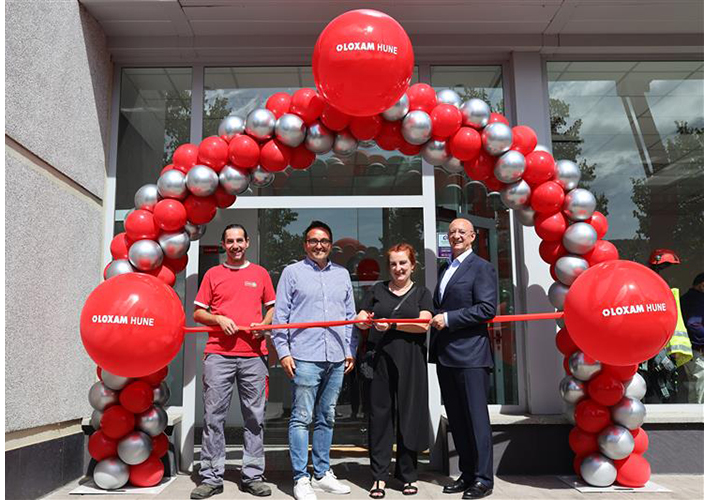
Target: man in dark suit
466, 295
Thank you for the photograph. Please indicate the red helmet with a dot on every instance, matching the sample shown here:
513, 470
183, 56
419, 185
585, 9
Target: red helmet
663, 256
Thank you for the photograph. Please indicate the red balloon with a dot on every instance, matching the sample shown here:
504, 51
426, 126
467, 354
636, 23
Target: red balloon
390, 136
307, 104
640, 440
421, 97
141, 225
599, 223
279, 103
244, 151
161, 444
132, 325
605, 389
224, 199
274, 156
564, 343
363, 62
147, 473
539, 167
577, 464
301, 157
481, 168
163, 273
602, 251
116, 421
547, 198
581, 442
136, 397
498, 118
620, 312
166, 168
633, 471
368, 270
98, 373
200, 209
410, 149
119, 246
591, 416
550, 251
524, 139
101, 446
493, 184
213, 152
155, 378
334, 119
550, 227
176, 265
445, 121
553, 273
185, 157
365, 128
170, 215
623, 373
465, 144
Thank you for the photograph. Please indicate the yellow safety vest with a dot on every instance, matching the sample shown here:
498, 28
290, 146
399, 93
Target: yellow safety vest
679, 345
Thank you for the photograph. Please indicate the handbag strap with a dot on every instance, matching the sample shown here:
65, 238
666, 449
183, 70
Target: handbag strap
404, 297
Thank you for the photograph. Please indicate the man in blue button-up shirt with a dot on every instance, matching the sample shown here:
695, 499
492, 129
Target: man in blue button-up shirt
315, 359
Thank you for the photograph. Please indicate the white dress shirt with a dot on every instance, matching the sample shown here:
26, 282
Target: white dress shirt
453, 266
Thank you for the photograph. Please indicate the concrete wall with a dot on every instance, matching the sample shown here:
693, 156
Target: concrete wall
58, 87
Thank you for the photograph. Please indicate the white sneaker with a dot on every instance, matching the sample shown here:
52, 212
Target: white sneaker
330, 484
302, 489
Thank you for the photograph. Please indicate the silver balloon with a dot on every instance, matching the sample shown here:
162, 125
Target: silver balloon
583, 367
260, 124
319, 139
101, 397
629, 412
195, 232
560, 322
516, 195
557, 294
120, 266
635, 388
135, 448
161, 394
202, 180
568, 413
616, 442
153, 421
453, 165
234, 180
475, 113
145, 255
598, 470
416, 127
579, 238
435, 153
525, 215
569, 267
146, 197
171, 184
448, 96
111, 474
174, 245
579, 204
115, 382
398, 111
261, 178
571, 389
497, 138
568, 173
345, 144
510, 167
230, 126
290, 129
96, 419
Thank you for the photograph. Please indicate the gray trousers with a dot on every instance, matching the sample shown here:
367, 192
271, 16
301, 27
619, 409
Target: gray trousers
218, 382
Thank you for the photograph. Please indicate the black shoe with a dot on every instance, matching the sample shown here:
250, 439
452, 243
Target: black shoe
458, 486
478, 490
206, 490
257, 488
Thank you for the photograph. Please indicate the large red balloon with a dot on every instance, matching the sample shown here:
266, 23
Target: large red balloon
620, 312
524, 139
602, 251
213, 152
147, 473
640, 440
301, 157
307, 104
132, 325
136, 397
155, 378
101, 446
421, 97
279, 104
119, 246
539, 167
445, 121
141, 225
605, 389
581, 442
547, 198
591, 416
116, 421
365, 128
185, 157
200, 209
363, 62
550, 227
622, 373
170, 215
161, 444
633, 471
564, 343
244, 151
550, 251
334, 119
465, 144
274, 156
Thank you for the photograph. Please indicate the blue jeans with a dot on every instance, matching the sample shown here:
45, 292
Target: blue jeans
315, 387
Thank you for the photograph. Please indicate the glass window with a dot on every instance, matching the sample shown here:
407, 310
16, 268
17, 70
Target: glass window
637, 129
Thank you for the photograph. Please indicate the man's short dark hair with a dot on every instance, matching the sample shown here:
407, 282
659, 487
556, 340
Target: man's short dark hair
699, 279
234, 226
316, 224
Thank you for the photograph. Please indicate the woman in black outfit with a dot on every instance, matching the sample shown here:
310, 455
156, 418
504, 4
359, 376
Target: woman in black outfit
398, 391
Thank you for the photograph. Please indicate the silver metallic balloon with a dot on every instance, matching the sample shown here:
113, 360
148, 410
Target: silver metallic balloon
195, 232
96, 419
319, 139
448, 96
568, 413
111, 474
497, 138
583, 367
636, 387
475, 113
560, 322
510, 167
101, 397
260, 124
525, 215
345, 144
119, 266
115, 382
416, 127
579, 204
571, 389
568, 173
557, 294
234, 180
153, 421
398, 111
146, 197
230, 126
453, 165
174, 245
135, 448
435, 153
629, 412
145, 255
202, 180
171, 184
261, 178
515, 195
616, 442
290, 129
569, 267
161, 394
579, 238
598, 470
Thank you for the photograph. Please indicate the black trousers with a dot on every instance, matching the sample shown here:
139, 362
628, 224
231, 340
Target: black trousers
465, 394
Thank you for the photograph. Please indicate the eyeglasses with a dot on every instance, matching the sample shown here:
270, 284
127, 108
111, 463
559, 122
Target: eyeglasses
314, 242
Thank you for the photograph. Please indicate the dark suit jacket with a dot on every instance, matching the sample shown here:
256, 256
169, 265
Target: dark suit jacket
470, 298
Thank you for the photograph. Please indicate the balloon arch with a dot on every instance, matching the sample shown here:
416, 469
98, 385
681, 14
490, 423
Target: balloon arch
617, 313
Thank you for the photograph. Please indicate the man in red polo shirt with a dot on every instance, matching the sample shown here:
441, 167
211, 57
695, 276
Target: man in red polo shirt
232, 295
